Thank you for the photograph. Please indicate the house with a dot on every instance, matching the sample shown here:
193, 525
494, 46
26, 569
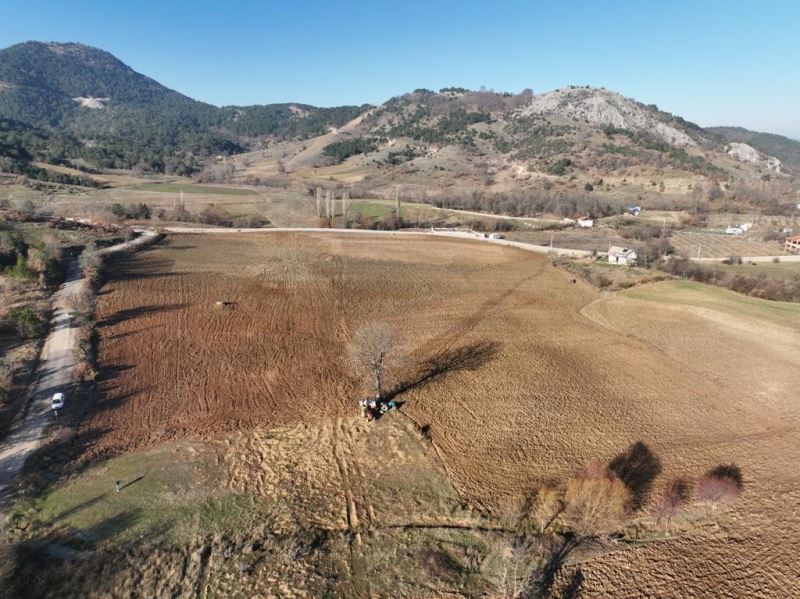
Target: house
568, 221
745, 226
495, 236
792, 244
585, 222
633, 210
734, 231
621, 255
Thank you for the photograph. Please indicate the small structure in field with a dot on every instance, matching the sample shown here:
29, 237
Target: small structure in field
585, 222
734, 231
633, 210
622, 256
792, 244
495, 236
224, 305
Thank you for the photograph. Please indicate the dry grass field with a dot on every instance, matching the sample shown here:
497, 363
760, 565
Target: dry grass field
518, 375
747, 349
712, 245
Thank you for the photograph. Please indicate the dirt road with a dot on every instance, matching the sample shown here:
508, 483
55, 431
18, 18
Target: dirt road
54, 374
56, 367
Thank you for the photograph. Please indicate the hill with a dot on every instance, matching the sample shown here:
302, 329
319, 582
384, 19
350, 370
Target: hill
783, 148
124, 119
568, 142
581, 148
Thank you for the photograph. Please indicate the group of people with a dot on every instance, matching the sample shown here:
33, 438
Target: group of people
375, 408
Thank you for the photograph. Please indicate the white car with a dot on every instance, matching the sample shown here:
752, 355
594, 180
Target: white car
58, 401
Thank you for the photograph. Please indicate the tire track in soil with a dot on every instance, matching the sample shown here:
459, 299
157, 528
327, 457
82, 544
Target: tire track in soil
359, 510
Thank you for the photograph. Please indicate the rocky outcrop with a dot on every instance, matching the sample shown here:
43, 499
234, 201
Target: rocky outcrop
600, 107
746, 153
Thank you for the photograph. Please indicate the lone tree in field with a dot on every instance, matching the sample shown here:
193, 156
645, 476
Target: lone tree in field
374, 349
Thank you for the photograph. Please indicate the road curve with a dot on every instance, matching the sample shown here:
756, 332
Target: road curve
55, 371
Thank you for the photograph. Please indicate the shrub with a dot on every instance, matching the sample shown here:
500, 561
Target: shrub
6, 379
27, 321
341, 150
595, 499
672, 500
721, 485
20, 268
85, 372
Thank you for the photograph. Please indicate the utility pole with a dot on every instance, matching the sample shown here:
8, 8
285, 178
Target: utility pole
698, 251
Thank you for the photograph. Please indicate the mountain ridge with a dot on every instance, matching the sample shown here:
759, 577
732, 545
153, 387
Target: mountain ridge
116, 117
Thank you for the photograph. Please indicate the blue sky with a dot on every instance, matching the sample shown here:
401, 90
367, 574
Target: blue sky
734, 63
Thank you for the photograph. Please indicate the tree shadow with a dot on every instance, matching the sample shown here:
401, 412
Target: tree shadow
131, 313
541, 584
466, 357
637, 468
573, 589
38, 563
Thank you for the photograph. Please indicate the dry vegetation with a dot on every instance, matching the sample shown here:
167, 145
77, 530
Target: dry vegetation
514, 380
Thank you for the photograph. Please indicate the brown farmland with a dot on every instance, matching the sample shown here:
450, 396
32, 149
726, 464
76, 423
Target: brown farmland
516, 381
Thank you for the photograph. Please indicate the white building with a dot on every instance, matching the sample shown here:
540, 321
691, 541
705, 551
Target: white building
621, 255
585, 222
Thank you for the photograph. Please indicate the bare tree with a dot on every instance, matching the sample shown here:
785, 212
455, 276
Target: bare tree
720, 485
374, 349
345, 202
318, 195
596, 499
671, 501
546, 507
329, 204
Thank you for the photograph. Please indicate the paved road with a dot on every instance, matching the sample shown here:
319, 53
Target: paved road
56, 368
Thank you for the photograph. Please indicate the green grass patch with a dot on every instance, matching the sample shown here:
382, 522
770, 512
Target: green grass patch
380, 208
192, 188
689, 293
171, 493
781, 270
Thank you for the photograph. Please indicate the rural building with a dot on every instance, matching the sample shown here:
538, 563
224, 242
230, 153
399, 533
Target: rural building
621, 255
585, 222
793, 244
734, 231
495, 236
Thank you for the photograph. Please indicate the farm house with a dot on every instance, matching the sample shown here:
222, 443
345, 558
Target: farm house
792, 244
585, 222
621, 255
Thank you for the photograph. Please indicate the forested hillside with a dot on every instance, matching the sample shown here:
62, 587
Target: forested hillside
118, 118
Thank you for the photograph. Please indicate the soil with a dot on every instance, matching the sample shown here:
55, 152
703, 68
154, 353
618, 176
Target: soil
515, 380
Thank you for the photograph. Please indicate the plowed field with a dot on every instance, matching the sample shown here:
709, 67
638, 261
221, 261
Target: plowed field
516, 379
